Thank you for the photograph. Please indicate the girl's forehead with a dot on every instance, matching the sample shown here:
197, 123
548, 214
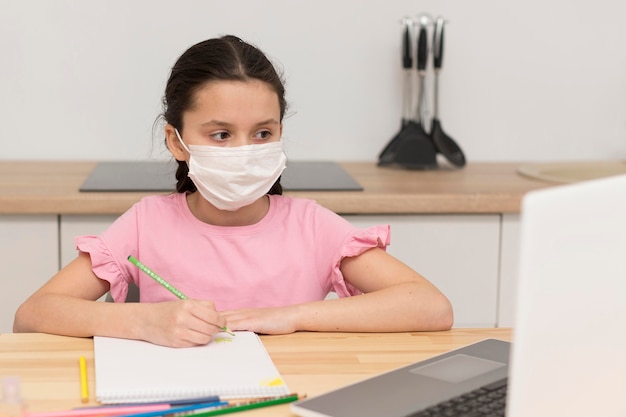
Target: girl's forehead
251, 86
235, 99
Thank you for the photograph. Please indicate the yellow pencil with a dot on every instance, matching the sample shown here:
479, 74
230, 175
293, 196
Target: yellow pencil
84, 389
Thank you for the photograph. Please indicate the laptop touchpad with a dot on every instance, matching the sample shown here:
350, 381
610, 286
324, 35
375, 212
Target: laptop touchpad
457, 368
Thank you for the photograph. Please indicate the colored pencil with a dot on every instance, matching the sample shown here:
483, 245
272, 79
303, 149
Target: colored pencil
249, 405
171, 403
165, 284
84, 389
182, 410
100, 411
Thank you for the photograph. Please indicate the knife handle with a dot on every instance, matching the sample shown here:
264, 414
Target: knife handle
422, 48
407, 50
438, 43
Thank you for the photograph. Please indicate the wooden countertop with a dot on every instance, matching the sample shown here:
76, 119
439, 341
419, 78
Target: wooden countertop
310, 363
52, 187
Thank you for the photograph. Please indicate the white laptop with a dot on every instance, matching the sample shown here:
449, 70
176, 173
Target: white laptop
568, 357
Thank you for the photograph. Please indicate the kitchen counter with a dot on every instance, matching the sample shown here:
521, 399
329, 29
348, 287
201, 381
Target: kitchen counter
51, 187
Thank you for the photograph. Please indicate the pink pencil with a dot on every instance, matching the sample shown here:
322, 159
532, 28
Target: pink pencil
101, 411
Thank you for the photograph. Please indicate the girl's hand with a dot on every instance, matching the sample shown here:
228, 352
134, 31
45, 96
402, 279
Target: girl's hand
181, 323
279, 320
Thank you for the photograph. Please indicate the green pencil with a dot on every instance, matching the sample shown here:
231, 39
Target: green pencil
164, 283
247, 406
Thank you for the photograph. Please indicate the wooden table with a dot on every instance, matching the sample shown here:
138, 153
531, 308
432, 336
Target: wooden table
52, 187
310, 363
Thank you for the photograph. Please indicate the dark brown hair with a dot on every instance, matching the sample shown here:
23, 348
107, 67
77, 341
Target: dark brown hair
227, 58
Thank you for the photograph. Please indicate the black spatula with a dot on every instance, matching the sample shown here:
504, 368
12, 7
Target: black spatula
444, 143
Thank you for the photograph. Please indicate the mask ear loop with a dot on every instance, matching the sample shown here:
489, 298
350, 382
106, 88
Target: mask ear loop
181, 141
184, 146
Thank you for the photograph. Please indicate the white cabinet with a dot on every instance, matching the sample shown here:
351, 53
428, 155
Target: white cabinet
29, 256
457, 253
508, 269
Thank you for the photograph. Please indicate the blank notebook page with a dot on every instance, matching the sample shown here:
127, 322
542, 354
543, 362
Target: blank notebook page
133, 371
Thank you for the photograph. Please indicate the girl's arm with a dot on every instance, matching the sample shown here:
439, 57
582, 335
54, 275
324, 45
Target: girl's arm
396, 299
66, 305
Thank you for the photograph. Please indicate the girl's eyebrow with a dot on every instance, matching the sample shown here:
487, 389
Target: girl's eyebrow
226, 124
268, 122
216, 122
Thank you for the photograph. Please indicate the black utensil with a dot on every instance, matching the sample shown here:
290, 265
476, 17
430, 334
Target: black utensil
411, 147
422, 59
444, 143
407, 67
420, 152
386, 157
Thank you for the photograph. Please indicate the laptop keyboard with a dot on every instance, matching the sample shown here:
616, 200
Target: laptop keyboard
487, 401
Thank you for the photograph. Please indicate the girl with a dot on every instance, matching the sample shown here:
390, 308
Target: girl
247, 257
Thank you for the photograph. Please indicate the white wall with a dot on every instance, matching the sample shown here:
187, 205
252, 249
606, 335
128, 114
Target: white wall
530, 80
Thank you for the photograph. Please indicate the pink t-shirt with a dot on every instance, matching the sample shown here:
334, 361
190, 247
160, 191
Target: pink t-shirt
291, 256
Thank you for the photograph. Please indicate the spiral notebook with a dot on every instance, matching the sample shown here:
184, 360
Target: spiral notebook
134, 371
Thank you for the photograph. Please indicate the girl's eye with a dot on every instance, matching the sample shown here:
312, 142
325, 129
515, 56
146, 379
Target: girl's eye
263, 135
220, 136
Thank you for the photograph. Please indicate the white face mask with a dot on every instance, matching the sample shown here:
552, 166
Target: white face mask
234, 177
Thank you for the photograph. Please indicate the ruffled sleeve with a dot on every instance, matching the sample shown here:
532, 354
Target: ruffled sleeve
357, 242
104, 265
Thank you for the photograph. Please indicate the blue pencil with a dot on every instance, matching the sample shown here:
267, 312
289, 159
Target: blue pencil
177, 410
183, 401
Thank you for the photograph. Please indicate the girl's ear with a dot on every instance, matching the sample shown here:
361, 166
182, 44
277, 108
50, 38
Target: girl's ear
174, 145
